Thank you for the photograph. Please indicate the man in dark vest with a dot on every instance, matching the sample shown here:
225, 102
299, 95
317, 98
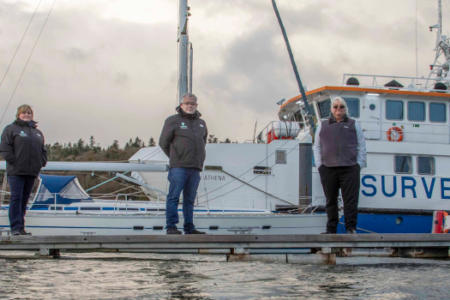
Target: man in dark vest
183, 140
339, 155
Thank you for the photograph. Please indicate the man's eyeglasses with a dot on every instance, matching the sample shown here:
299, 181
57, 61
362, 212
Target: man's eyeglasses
27, 113
190, 103
339, 106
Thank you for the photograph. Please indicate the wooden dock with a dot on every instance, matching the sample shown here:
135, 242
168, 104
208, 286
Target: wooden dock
323, 247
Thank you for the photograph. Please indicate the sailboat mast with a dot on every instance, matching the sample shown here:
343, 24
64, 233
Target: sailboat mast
183, 50
307, 109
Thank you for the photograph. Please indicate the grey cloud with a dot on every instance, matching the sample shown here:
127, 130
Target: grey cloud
250, 75
86, 69
121, 76
76, 54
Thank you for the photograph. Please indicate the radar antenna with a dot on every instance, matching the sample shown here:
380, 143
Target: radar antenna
439, 70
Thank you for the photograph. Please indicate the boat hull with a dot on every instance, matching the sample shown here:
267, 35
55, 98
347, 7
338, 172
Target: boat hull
39, 223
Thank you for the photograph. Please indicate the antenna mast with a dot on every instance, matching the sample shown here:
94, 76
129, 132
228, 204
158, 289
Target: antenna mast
184, 52
440, 66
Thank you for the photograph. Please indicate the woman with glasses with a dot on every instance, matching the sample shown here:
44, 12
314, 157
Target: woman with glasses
339, 155
22, 146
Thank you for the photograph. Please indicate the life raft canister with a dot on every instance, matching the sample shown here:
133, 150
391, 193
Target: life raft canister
439, 218
395, 134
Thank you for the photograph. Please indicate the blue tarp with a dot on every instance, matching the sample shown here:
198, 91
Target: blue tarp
55, 183
56, 189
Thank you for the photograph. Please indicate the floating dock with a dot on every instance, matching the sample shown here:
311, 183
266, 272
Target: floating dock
322, 248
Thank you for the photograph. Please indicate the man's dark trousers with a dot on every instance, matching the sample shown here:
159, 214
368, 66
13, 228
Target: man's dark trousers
20, 187
184, 180
348, 180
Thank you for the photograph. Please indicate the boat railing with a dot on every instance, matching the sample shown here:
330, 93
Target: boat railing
380, 82
76, 203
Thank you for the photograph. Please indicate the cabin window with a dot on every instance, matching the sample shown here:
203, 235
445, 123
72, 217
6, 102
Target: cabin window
394, 110
353, 107
403, 164
280, 157
425, 165
416, 111
438, 112
324, 109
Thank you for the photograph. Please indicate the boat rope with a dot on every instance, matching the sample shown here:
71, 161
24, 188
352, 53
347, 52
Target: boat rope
19, 80
125, 185
20, 43
254, 187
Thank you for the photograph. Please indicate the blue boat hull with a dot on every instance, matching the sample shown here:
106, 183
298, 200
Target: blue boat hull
391, 223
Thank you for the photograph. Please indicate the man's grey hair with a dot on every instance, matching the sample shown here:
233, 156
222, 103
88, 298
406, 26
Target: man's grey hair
190, 95
338, 99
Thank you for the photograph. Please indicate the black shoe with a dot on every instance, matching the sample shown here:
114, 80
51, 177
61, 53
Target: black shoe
194, 231
15, 232
172, 230
351, 231
23, 232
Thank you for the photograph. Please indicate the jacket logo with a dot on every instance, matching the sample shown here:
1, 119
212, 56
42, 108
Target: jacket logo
346, 127
201, 125
22, 133
38, 134
183, 125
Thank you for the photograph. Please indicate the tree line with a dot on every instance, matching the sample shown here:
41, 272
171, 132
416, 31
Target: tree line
91, 151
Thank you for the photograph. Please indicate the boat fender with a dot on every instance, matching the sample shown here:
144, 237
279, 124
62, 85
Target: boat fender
395, 134
446, 228
439, 217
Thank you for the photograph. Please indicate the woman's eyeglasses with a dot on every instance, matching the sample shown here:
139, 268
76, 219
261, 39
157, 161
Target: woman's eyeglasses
339, 106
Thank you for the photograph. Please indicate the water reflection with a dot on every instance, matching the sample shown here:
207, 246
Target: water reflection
150, 277
181, 283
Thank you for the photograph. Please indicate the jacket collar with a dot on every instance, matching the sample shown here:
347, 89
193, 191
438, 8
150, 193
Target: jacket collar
23, 123
193, 116
332, 119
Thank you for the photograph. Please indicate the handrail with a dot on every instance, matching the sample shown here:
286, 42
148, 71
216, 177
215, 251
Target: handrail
414, 83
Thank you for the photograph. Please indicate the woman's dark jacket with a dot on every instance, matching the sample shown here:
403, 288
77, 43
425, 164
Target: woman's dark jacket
22, 146
183, 139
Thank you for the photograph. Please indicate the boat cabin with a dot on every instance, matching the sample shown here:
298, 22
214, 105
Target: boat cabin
386, 113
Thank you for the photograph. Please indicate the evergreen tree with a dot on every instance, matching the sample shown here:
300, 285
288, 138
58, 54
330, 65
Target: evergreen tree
137, 143
91, 142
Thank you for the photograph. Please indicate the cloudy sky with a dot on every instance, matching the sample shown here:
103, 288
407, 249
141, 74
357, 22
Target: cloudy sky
108, 68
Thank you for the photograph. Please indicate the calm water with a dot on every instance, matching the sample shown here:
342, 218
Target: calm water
150, 276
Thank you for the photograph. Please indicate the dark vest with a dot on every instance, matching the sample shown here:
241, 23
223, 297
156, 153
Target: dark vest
338, 143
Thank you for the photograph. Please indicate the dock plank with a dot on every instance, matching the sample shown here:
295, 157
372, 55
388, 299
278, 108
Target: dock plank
227, 241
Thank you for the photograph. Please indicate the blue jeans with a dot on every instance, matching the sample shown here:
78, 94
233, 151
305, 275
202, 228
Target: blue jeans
20, 187
186, 180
